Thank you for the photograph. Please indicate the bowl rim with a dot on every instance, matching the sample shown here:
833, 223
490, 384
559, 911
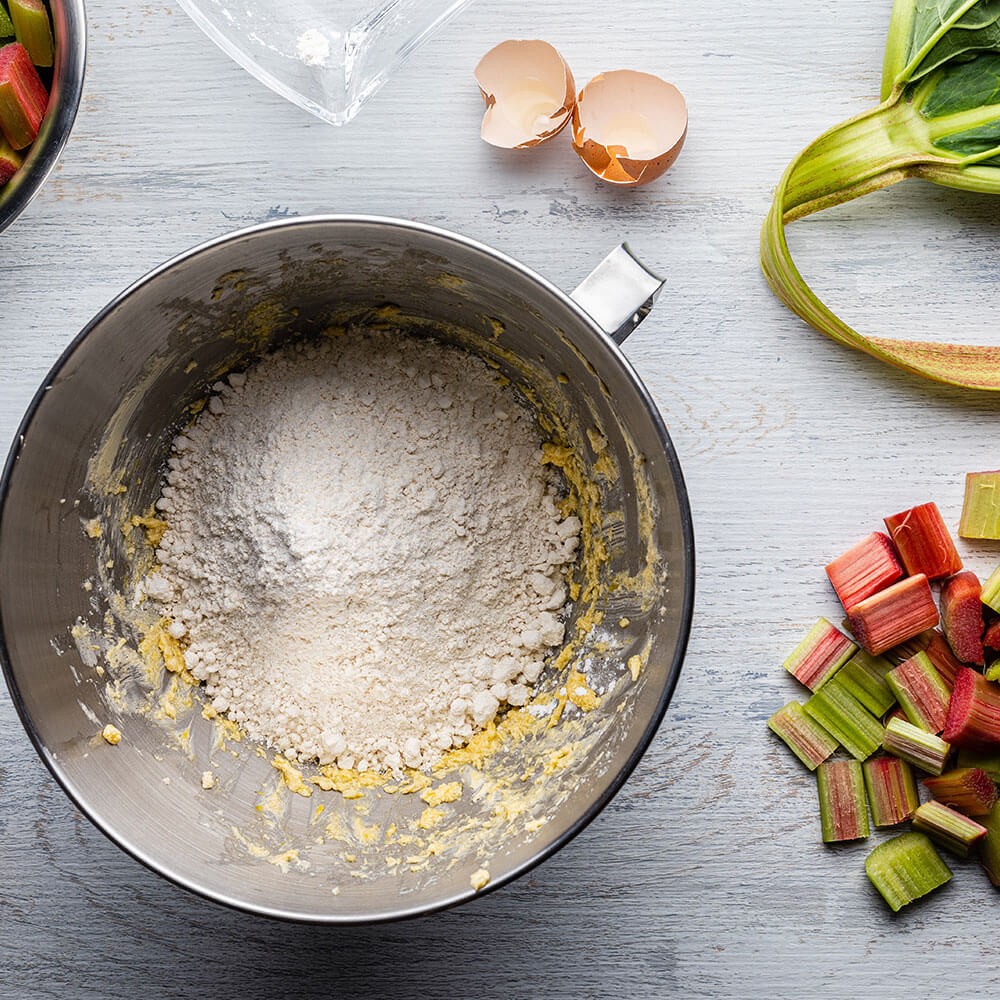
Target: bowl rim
642, 744
69, 74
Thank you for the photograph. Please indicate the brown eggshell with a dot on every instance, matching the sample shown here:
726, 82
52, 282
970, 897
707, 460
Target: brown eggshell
529, 93
628, 127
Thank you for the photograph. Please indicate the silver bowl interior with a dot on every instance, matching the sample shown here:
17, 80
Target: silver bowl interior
69, 28
122, 390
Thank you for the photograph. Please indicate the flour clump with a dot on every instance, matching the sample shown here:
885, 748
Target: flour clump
365, 557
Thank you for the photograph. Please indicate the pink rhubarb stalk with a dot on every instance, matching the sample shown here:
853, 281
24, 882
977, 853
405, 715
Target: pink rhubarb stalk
923, 541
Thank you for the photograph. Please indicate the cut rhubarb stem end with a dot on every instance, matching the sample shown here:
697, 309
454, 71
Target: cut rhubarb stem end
981, 506
892, 790
990, 594
905, 868
970, 790
962, 616
921, 692
822, 652
6, 25
864, 677
989, 846
973, 712
894, 615
917, 747
948, 828
805, 737
33, 29
845, 719
23, 97
923, 542
991, 638
842, 807
864, 569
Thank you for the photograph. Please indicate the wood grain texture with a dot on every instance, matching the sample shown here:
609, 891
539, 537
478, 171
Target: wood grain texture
705, 876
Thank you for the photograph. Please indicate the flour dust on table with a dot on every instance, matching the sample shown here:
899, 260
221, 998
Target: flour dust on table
364, 557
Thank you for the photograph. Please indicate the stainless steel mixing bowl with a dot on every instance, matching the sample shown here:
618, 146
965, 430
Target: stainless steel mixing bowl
69, 29
112, 404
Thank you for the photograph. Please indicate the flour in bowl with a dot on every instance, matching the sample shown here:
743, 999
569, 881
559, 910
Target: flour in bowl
365, 555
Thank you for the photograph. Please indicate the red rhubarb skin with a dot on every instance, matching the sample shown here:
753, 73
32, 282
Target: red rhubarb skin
962, 616
877, 623
923, 542
974, 712
864, 569
926, 699
945, 662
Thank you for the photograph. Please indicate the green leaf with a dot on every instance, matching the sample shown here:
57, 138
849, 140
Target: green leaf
959, 42
975, 142
964, 86
933, 18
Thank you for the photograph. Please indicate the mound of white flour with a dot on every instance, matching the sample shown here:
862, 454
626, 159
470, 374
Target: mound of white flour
364, 550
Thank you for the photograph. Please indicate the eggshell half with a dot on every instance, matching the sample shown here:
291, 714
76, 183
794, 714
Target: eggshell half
628, 127
529, 93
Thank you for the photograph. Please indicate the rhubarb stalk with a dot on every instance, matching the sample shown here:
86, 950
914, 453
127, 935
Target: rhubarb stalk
923, 541
981, 506
962, 616
970, 790
805, 737
892, 790
916, 746
819, 655
905, 868
948, 828
864, 569
842, 808
921, 692
894, 615
974, 711
864, 677
845, 719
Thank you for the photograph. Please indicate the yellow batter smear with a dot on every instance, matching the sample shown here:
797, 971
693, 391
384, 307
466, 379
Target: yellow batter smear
93, 528
579, 692
450, 792
291, 776
153, 527
159, 646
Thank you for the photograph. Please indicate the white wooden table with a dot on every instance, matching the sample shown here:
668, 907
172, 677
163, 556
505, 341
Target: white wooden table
705, 877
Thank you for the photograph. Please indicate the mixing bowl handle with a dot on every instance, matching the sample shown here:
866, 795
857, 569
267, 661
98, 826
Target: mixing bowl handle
618, 293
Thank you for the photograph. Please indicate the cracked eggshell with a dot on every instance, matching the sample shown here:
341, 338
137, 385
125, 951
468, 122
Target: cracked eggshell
529, 93
628, 127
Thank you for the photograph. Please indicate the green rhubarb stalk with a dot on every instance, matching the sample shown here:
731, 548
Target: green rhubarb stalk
939, 120
914, 745
905, 868
981, 506
805, 737
921, 692
33, 29
864, 677
948, 828
842, 809
845, 719
990, 595
989, 846
892, 790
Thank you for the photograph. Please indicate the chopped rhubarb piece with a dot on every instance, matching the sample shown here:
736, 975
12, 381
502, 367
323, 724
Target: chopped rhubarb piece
985, 758
962, 616
842, 809
894, 615
892, 790
923, 542
944, 660
864, 569
989, 846
6, 25
894, 713
845, 719
33, 29
805, 737
973, 712
921, 691
905, 868
10, 160
970, 790
990, 594
819, 655
863, 676
23, 97
916, 746
981, 506
991, 636
948, 828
